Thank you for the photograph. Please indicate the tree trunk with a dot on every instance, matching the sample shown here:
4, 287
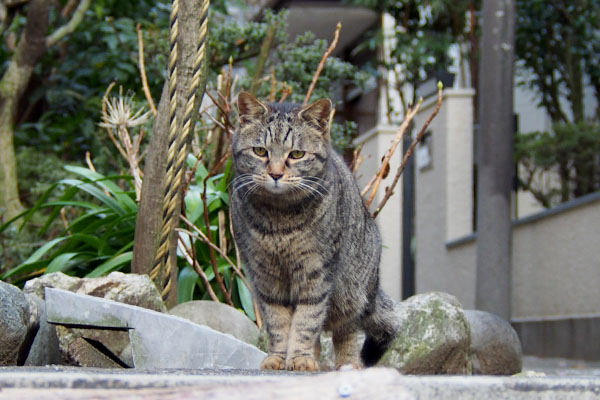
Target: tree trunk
14, 82
495, 162
31, 48
149, 219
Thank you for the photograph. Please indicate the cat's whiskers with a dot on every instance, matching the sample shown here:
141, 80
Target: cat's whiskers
313, 191
250, 190
243, 181
240, 182
317, 181
239, 179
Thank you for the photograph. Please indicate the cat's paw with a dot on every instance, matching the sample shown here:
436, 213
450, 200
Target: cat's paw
349, 366
273, 362
302, 363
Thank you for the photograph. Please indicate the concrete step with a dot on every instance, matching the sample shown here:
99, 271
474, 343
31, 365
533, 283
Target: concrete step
373, 384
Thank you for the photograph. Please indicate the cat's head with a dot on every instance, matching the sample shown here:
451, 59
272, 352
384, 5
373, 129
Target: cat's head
281, 148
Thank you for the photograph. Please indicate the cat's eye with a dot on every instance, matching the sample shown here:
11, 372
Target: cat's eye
297, 154
260, 151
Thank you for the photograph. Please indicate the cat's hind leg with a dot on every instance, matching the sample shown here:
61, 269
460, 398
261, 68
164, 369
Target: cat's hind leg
346, 348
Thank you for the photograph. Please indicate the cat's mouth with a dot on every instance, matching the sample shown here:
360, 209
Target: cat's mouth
276, 186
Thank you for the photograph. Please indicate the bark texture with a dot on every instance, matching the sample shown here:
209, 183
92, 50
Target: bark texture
149, 220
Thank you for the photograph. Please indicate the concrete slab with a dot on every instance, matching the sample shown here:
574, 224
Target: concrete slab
372, 384
158, 340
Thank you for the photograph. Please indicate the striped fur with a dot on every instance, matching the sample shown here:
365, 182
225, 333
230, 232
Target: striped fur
308, 243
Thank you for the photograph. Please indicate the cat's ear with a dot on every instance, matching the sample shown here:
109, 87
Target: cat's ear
318, 114
250, 107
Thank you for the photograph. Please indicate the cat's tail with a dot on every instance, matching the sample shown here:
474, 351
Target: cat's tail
380, 326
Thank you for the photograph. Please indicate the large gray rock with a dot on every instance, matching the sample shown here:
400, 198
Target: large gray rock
220, 317
35, 287
495, 346
434, 336
97, 347
18, 324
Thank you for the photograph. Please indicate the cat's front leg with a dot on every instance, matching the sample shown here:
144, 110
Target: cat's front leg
277, 320
307, 324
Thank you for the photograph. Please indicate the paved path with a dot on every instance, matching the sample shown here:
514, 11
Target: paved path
376, 383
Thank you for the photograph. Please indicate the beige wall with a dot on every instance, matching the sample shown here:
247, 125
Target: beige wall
556, 253
444, 201
556, 261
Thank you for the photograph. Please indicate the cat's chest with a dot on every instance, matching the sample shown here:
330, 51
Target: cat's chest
284, 243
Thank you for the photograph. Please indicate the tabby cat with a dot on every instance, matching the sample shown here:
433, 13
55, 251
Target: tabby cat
309, 245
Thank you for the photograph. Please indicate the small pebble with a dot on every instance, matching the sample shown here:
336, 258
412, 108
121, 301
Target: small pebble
345, 390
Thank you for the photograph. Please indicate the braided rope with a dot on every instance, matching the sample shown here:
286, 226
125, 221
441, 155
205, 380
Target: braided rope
178, 143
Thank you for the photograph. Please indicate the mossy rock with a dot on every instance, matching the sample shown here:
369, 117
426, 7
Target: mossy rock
434, 337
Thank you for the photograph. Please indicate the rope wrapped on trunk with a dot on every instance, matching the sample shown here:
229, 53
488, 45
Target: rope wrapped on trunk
177, 145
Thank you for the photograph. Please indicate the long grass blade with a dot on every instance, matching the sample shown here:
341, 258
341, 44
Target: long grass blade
186, 284
113, 264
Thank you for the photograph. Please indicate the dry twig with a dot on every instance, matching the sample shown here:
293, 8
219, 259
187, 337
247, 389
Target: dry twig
273, 86
141, 66
334, 43
390, 190
373, 185
203, 237
287, 90
187, 253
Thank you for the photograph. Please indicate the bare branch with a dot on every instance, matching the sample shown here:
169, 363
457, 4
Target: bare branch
187, 253
201, 236
68, 8
373, 185
334, 43
390, 190
265, 48
142, 68
273, 86
70, 26
287, 90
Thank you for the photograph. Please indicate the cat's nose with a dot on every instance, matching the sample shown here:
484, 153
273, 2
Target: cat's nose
275, 176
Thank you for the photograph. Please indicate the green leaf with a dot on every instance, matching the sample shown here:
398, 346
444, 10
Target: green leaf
106, 183
28, 214
225, 180
186, 284
25, 269
82, 204
39, 253
210, 273
193, 204
113, 264
246, 298
68, 195
98, 194
62, 263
